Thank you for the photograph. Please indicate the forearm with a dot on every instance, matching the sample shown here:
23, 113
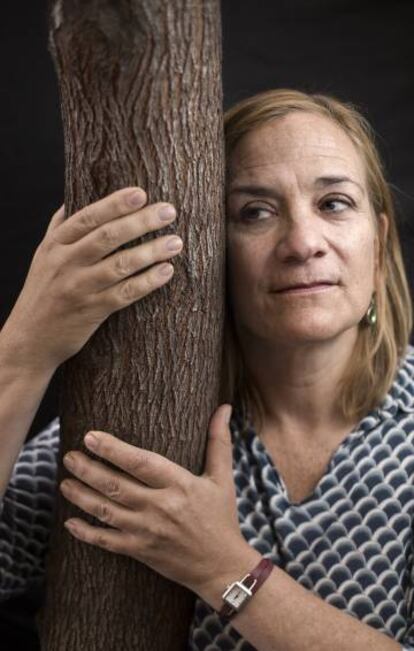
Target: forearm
285, 616
22, 387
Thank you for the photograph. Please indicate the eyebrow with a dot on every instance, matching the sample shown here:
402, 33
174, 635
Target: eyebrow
268, 191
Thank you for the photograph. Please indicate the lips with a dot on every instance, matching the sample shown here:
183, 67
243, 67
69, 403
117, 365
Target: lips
316, 283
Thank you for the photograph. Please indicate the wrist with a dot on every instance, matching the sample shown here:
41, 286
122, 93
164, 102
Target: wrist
19, 355
238, 563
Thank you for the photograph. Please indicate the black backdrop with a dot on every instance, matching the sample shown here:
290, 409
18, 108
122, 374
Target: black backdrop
362, 52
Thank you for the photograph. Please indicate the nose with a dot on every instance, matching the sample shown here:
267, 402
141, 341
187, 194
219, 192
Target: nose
301, 238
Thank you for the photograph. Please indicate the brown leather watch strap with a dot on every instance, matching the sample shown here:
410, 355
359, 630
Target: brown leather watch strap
252, 581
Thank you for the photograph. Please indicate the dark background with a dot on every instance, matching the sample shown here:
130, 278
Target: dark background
362, 52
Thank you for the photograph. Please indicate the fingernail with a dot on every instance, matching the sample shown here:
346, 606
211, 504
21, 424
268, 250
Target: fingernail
166, 213
166, 270
91, 441
64, 486
69, 460
174, 244
70, 525
136, 198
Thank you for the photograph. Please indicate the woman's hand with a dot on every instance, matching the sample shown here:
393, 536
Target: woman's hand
78, 277
181, 525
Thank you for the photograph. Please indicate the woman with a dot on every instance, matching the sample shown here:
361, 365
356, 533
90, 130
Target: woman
315, 471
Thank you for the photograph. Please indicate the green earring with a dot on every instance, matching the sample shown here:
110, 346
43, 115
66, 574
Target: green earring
371, 314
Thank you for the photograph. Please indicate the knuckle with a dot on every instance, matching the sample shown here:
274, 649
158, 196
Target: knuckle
158, 247
103, 513
102, 541
161, 533
107, 237
149, 281
150, 220
154, 533
149, 540
127, 291
175, 506
137, 463
68, 289
111, 488
80, 470
51, 246
87, 219
70, 292
122, 266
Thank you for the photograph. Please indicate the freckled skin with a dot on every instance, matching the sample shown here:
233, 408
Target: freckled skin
308, 232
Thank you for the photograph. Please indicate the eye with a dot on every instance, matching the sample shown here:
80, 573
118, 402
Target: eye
336, 204
252, 213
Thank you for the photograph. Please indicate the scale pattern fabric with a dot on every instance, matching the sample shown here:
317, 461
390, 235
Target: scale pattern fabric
350, 541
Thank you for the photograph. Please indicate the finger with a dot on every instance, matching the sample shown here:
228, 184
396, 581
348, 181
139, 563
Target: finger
118, 204
135, 288
122, 265
219, 456
118, 542
57, 218
149, 467
118, 488
98, 246
100, 507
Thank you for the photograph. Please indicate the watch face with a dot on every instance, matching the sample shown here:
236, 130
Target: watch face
236, 596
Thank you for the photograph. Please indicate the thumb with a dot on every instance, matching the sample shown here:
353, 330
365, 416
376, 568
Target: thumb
219, 456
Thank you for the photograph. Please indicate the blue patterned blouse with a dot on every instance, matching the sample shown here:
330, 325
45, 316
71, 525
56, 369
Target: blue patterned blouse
350, 541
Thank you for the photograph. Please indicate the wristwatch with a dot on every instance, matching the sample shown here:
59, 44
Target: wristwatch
237, 594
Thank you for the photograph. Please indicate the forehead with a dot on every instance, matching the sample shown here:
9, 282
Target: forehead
303, 143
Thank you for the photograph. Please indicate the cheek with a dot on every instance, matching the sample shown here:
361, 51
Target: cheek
244, 264
359, 258
358, 277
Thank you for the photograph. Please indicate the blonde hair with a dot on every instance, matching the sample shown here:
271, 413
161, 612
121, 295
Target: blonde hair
378, 350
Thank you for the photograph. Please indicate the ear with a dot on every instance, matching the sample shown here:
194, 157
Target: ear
380, 244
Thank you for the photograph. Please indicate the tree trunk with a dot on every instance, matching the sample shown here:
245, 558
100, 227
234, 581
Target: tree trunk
141, 95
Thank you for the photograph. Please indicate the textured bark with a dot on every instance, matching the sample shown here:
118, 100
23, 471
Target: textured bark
141, 96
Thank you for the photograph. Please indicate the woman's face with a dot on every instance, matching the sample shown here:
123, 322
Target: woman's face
298, 214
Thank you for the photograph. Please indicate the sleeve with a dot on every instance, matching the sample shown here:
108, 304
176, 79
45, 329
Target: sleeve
26, 513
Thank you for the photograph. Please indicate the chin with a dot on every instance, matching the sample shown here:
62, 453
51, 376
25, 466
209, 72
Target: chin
303, 338
305, 330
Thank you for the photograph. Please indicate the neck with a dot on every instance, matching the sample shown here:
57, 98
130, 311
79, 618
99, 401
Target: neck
299, 384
